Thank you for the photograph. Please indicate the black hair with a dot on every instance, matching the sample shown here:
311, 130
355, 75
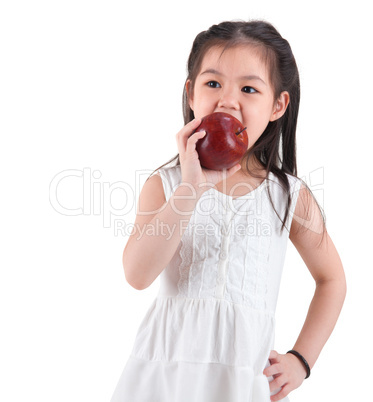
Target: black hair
275, 150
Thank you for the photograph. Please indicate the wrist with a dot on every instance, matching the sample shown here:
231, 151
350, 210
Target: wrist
302, 360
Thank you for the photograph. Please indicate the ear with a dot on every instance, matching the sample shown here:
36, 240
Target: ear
189, 91
280, 106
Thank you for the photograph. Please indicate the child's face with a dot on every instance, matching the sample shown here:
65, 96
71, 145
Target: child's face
236, 82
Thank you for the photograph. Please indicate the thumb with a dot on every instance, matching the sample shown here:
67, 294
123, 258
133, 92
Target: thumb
274, 357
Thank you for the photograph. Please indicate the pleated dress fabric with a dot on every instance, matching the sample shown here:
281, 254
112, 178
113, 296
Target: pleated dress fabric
208, 334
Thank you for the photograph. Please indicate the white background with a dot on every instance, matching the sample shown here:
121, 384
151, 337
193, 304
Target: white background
96, 86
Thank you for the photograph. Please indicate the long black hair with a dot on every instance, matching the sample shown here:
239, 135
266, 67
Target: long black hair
276, 147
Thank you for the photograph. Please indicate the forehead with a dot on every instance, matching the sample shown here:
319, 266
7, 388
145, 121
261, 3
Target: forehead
238, 60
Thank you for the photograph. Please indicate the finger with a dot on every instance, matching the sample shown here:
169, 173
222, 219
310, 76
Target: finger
273, 369
285, 391
192, 140
277, 383
186, 131
274, 357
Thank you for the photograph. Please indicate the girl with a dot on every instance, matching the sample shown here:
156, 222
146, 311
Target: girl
218, 238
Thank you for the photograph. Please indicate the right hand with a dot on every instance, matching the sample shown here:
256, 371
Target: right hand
192, 172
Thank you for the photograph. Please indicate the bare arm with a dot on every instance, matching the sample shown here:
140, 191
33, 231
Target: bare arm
325, 266
158, 229
160, 225
317, 250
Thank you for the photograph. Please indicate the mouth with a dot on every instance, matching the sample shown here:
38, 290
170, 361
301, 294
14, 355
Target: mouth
236, 117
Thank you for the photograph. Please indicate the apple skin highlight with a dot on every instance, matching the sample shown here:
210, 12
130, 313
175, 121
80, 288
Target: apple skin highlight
225, 141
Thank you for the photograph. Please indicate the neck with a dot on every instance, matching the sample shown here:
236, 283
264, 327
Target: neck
253, 165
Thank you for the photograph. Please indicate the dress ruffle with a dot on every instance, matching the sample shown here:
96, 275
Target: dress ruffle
208, 334
198, 350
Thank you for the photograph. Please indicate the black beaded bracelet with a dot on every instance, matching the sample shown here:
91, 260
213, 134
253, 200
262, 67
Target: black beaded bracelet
304, 361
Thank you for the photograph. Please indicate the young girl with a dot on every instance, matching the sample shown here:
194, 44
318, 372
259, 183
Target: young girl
218, 238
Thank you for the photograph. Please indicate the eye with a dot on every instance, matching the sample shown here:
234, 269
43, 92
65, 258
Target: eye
249, 90
213, 84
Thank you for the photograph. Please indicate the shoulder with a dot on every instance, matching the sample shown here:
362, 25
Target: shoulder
160, 185
152, 195
303, 200
171, 179
170, 172
288, 192
310, 237
308, 224
284, 187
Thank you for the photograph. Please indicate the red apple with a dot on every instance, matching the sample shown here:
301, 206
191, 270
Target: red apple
224, 143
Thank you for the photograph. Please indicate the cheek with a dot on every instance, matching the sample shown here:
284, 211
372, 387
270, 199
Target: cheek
202, 107
256, 121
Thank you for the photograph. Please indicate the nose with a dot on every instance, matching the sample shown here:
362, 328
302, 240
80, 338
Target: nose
228, 99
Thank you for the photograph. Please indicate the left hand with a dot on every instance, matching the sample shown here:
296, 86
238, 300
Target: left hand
288, 374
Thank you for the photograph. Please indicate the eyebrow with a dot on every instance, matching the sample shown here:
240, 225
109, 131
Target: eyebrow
245, 77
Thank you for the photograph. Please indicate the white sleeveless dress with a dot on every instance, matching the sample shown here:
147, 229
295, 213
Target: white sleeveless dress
208, 334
